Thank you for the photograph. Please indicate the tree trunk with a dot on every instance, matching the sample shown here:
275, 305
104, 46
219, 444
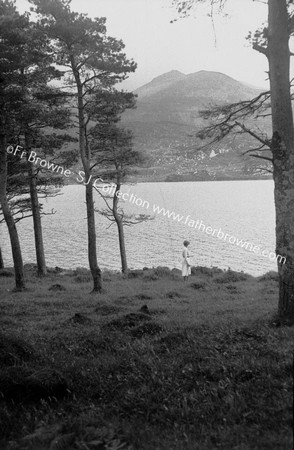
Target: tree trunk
283, 150
122, 247
92, 253
86, 159
39, 246
120, 228
14, 240
1, 260
15, 246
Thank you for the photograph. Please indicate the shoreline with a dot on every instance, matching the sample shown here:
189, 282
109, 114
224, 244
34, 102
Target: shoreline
142, 181
133, 273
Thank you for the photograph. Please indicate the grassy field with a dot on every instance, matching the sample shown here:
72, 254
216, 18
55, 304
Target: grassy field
153, 363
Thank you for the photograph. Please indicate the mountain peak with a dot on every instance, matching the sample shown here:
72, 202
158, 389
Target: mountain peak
213, 86
169, 76
159, 83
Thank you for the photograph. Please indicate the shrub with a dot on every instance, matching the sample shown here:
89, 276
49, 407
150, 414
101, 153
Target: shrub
6, 273
57, 287
269, 276
135, 273
200, 285
83, 278
206, 271
176, 272
82, 271
232, 288
149, 275
231, 277
162, 271
14, 350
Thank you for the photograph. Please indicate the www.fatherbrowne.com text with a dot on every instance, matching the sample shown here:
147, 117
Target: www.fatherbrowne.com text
217, 232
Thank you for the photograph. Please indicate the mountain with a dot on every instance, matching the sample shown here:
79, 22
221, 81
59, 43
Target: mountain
166, 121
159, 83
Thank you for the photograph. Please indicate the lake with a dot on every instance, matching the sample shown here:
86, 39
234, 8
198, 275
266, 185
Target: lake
241, 209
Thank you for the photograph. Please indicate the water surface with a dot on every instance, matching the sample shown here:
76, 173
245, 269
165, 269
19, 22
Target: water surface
244, 209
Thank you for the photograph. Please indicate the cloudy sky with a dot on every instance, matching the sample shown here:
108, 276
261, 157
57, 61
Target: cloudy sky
187, 45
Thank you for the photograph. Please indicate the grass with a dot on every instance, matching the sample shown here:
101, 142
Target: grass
152, 363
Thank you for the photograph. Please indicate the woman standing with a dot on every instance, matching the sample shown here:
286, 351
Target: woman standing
186, 266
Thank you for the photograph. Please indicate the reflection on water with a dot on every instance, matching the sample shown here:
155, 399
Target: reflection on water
244, 209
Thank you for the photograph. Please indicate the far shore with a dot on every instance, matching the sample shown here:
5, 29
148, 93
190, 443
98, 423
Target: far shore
184, 180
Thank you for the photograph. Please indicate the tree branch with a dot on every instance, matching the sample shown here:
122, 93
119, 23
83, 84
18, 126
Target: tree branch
262, 157
260, 49
265, 142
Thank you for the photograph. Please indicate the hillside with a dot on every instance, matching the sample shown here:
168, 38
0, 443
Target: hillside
167, 119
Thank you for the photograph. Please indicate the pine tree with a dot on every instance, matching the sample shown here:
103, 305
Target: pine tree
95, 61
112, 146
12, 26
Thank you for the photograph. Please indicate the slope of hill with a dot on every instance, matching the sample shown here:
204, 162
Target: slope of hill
167, 119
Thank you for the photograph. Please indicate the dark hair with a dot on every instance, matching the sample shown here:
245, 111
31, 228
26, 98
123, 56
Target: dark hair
186, 243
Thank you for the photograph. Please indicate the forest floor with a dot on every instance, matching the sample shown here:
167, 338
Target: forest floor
152, 363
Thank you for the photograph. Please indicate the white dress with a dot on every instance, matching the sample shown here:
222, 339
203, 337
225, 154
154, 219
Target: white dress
186, 270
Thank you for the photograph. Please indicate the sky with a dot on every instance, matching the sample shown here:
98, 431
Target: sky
187, 45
